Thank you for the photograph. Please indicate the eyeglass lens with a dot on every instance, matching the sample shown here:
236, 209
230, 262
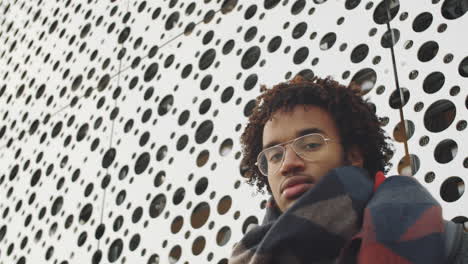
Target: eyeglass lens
307, 147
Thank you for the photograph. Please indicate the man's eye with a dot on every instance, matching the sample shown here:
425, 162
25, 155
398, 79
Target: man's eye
312, 146
275, 157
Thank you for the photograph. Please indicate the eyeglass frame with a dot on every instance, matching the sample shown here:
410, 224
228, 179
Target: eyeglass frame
282, 145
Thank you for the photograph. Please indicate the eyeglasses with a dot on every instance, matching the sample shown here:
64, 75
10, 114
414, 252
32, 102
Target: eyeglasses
309, 147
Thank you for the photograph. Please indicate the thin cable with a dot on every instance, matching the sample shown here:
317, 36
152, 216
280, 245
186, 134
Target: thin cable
397, 83
110, 146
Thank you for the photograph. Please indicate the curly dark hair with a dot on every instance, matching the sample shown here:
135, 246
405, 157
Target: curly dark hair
355, 118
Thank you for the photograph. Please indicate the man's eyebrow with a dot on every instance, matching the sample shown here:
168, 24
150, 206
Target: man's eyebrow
298, 134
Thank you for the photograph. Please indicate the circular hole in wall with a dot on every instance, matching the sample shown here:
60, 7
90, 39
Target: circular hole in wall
428, 51
249, 222
328, 41
422, 22
463, 67
453, 9
223, 236
174, 254
445, 151
177, 224
439, 116
396, 98
366, 79
385, 11
115, 250
200, 215
452, 189
433, 82
359, 53
403, 131
198, 245
408, 166
224, 204
390, 38
157, 205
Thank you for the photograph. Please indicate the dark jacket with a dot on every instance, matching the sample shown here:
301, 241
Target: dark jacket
345, 219
457, 244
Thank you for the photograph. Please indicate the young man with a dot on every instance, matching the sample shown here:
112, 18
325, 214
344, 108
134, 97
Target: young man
319, 150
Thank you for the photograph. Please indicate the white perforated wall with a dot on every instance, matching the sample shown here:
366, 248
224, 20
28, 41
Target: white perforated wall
120, 120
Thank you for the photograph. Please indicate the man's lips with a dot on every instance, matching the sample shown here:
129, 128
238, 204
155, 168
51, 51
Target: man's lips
296, 185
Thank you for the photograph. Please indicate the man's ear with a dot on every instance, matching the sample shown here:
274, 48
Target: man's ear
354, 157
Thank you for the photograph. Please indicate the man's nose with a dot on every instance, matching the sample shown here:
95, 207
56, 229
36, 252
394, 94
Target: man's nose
292, 162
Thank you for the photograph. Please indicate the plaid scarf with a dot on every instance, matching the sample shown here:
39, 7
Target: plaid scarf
343, 220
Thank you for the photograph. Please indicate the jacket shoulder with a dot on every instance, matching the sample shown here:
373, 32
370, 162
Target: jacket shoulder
461, 257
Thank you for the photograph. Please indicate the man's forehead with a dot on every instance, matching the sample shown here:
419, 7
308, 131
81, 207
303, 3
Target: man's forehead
285, 125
